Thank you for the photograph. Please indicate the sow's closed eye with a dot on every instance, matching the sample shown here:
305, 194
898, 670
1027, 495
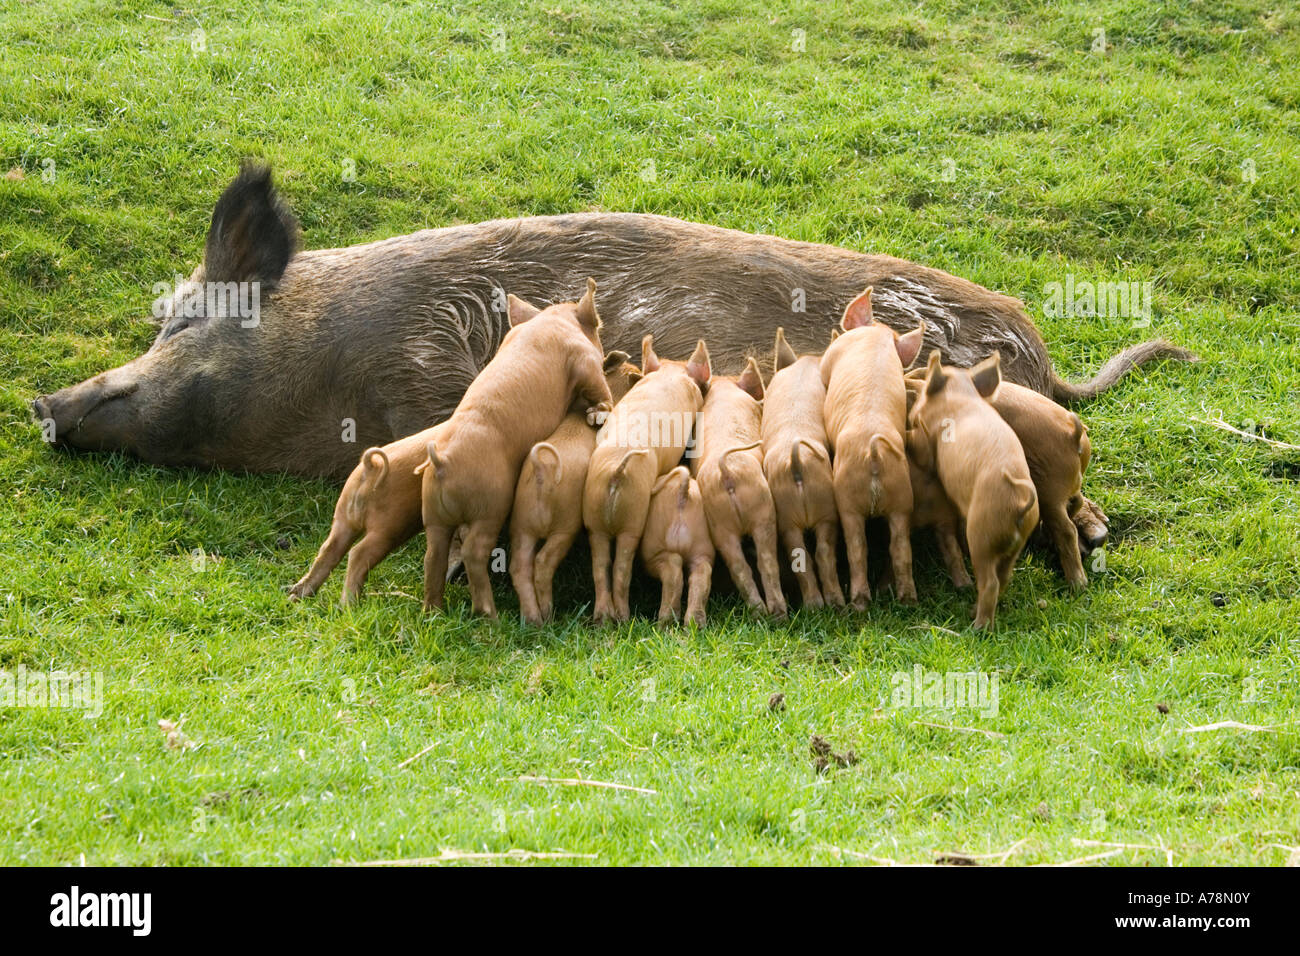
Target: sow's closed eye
174, 327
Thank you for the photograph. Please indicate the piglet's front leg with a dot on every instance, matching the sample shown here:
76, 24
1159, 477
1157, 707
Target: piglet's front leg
593, 391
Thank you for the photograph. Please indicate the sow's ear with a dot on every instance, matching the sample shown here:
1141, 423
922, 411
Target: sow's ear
751, 381
519, 311
858, 312
987, 376
253, 234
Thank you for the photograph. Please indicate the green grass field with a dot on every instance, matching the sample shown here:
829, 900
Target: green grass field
991, 140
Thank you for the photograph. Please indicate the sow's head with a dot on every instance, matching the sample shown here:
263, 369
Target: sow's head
173, 402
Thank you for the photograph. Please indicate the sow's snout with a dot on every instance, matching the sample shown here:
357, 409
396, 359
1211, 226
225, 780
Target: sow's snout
100, 414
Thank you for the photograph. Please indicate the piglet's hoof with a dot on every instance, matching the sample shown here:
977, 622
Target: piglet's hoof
1092, 525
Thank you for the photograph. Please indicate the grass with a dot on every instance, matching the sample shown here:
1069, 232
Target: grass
1171, 157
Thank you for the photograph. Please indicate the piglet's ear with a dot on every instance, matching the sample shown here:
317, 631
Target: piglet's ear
858, 312
253, 234
751, 381
587, 314
909, 346
782, 355
649, 361
614, 361
697, 366
519, 311
935, 376
987, 376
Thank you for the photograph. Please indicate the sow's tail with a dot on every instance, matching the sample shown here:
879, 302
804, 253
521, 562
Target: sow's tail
1117, 368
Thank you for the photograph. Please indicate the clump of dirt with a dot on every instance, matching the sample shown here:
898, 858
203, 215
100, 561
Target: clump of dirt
955, 859
776, 702
221, 797
824, 754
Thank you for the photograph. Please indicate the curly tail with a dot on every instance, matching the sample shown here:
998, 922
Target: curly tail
539, 470
1029, 497
432, 458
681, 474
729, 481
874, 457
372, 476
616, 483
796, 465
1117, 368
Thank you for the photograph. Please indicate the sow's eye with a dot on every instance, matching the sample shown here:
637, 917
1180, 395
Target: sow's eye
173, 327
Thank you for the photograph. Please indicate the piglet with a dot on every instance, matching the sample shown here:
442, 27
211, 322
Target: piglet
548, 498
1057, 449
957, 434
737, 500
644, 438
866, 409
548, 360
676, 546
377, 511
797, 466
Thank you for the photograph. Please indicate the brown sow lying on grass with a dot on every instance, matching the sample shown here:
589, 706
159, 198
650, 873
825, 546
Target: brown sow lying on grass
797, 466
676, 546
737, 501
549, 360
959, 436
548, 498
